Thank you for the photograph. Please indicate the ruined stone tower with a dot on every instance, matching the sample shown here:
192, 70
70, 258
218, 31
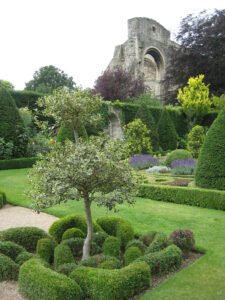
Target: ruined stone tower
145, 53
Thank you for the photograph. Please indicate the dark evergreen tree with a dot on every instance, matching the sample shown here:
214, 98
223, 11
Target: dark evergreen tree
167, 132
12, 128
146, 117
210, 171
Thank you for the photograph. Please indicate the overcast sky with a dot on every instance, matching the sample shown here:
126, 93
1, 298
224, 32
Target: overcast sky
76, 36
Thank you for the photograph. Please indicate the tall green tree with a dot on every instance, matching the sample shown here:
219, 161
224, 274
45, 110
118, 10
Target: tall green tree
71, 109
91, 171
167, 132
6, 85
12, 128
49, 78
146, 117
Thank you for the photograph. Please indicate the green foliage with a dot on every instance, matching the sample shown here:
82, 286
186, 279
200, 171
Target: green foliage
96, 260
195, 140
160, 241
66, 269
49, 78
131, 254
11, 249
179, 154
26, 99
194, 98
100, 284
184, 239
111, 246
2, 199
148, 237
167, 132
26, 237
147, 99
164, 261
75, 245
138, 138
99, 238
23, 256
6, 149
65, 133
17, 163
62, 255
6, 85
73, 233
38, 282
108, 264
210, 170
117, 227
182, 195
45, 249
146, 117
8, 268
11, 125
218, 102
136, 243
39, 144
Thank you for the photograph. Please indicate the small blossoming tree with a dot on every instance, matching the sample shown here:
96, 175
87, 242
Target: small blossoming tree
91, 171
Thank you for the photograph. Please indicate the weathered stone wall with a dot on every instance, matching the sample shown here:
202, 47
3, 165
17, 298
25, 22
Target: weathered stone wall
145, 53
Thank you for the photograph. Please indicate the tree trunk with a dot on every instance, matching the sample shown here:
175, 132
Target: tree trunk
76, 137
87, 242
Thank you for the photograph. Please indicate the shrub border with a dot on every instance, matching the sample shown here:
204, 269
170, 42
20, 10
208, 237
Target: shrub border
17, 163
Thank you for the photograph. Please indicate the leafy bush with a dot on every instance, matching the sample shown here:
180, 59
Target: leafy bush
108, 264
117, 227
167, 132
181, 195
26, 237
160, 241
148, 237
100, 284
75, 245
158, 170
195, 140
66, 269
136, 243
38, 144
179, 154
73, 233
11, 249
96, 260
8, 268
210, 170
17, 163
183, 167
2, 199
143, 161
111, 246
23, 256
184, 239
147, 98
45, 249
60, 226
164, 261
131, 254
219, 102
62, 255
38, 282
65, 133
99, 238
6, 149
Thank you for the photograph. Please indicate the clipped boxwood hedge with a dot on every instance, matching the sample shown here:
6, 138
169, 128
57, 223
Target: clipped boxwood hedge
2, 199
57, 229
102, 284
159, 242
11, 249
45, 249
181, 195
62, 255
164, 261
96, 260
8, 268
26, 237
17, 163
131, 254
38, 282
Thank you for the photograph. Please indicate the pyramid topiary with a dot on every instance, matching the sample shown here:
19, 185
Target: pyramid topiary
12, 128
167, 132
146, 117
210, 171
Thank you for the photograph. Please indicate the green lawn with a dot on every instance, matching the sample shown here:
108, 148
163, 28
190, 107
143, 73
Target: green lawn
205, 279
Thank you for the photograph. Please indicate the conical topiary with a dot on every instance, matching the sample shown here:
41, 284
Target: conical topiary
167, 132
146, 117
12, 128
210, 171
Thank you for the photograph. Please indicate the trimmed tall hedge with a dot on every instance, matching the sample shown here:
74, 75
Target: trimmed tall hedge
181, 195
101, 284
210, 170
25, 98
2, 199
38, 282
17, 163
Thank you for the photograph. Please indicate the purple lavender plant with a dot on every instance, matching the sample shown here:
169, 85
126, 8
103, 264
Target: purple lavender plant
143, 161
183, 167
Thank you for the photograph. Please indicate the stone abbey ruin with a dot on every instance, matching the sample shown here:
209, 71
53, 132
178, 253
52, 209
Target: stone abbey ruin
145, 53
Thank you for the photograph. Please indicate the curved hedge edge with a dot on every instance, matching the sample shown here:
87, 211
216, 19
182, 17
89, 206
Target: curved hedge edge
8, 268
17, 163
2, 199
104, 284
191, 196
38, 282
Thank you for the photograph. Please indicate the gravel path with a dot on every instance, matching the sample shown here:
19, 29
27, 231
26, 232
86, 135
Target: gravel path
16, 216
